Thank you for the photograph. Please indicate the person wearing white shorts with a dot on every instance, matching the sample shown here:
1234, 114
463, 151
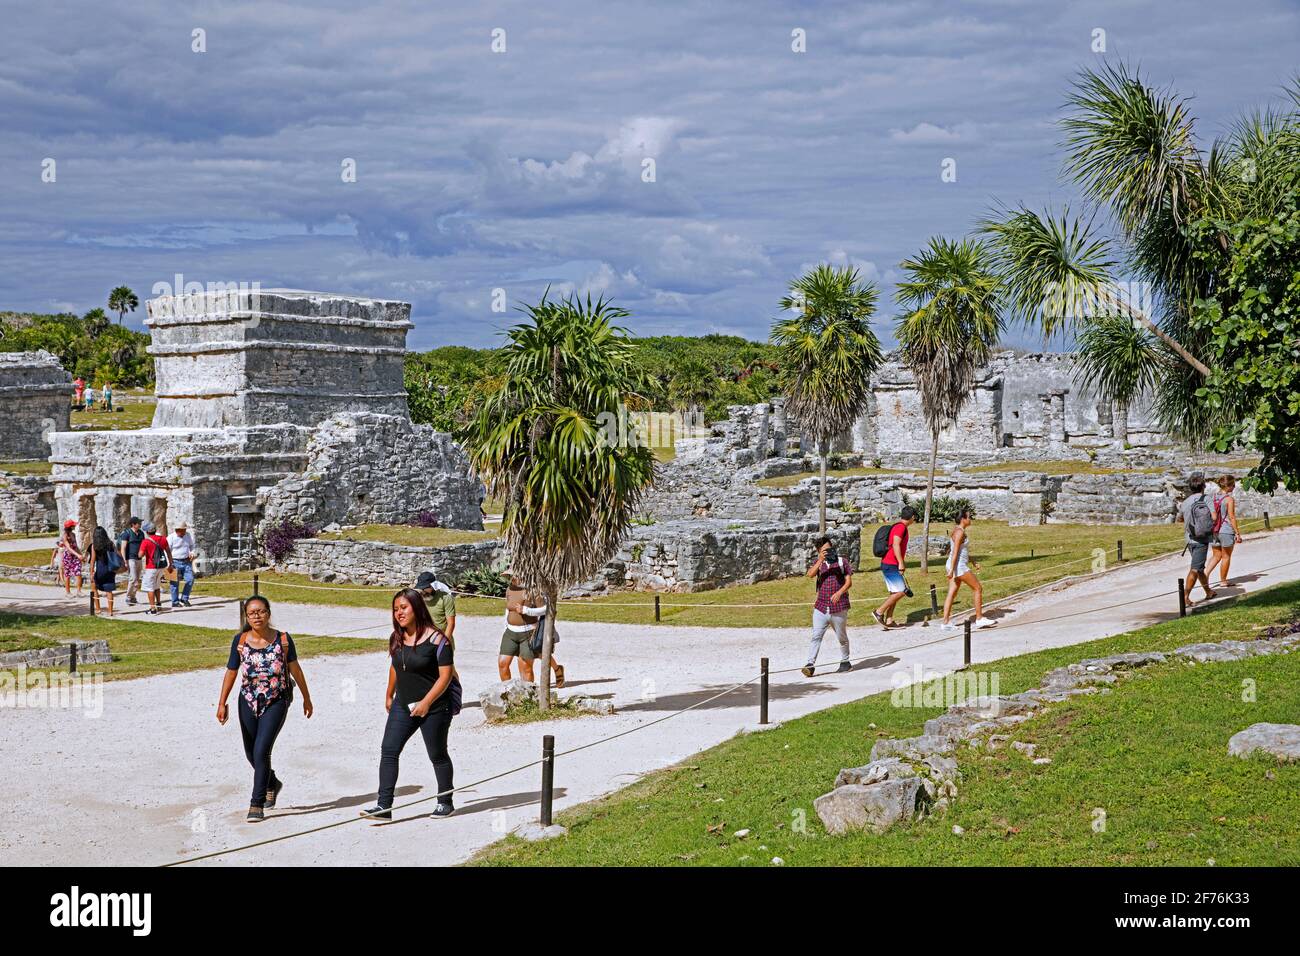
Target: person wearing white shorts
959, 572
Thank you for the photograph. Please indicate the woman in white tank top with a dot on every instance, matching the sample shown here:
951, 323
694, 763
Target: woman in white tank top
959, 572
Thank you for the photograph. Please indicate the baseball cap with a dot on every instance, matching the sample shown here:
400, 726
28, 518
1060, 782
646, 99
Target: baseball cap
70, 523
149, 527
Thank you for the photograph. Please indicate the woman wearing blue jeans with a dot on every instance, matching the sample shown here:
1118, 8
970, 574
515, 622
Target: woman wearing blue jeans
266, 658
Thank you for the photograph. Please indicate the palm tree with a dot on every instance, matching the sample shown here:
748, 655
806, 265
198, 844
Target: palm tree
122, 300
950, 329
1131, 149
828, 354
1119, 360
542, 444
96, 322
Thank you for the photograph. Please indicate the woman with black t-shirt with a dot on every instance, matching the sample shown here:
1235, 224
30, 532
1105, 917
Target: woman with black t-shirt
266, 658
423, 694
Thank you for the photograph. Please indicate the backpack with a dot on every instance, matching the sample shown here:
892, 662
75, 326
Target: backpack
159, 552
1220, 512
880, 544
1200, 519
455, 693
286, 694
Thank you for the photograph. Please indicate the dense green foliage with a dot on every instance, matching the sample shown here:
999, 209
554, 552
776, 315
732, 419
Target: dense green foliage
90, 347
445, 386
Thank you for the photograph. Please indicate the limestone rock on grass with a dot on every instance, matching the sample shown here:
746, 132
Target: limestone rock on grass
912, 748
1280, 740
889, 768
497, 699
876, 807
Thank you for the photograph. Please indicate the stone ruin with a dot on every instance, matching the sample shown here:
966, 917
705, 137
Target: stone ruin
36, 398
272, 404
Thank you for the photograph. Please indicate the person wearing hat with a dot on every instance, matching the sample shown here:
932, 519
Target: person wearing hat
181, 544
128, 544
69, 553
156, 555
441, 601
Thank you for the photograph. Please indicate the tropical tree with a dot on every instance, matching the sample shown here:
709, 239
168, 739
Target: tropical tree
1119, 359
950, 329
549, 444
96, 322
1170, 209
828, 354
122, 300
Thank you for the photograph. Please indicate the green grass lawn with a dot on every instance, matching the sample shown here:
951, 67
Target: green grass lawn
37, 558
1059, 468
1002, 551
410, 535
1152, 755
146, 650
789, 481
26, 467
134, 414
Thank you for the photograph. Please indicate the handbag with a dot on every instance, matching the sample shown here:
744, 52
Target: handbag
455, 693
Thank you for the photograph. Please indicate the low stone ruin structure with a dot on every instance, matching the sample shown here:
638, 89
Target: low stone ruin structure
26, 504
272, 404
35, 400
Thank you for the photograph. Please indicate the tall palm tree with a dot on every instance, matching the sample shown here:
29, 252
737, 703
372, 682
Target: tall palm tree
542, 445
122, 300
1120, 360
828, 354
950, 329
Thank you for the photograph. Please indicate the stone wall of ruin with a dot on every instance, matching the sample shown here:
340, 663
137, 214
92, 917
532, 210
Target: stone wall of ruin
380, 564
35, 400
27, 504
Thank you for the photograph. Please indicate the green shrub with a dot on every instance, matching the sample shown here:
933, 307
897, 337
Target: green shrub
943, 508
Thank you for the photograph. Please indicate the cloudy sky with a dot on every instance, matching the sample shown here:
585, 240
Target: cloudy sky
478, 170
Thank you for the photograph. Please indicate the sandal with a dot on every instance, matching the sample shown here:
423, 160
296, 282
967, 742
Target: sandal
559, 675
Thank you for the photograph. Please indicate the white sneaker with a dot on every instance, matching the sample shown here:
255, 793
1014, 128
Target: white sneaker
948, 627
984, 622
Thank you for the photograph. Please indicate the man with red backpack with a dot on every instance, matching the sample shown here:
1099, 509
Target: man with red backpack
156, 554
890, 547
834, 576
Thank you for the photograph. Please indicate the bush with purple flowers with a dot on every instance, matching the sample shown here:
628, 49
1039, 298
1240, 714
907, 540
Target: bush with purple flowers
279, 539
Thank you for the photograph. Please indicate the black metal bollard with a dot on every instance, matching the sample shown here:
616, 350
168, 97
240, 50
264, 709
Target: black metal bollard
1031, 552
1119, 550
762, 691
966, 643
92, 603
72, 658
548, 777
934, 600
656, 609
254, 585
1182, 598
1267, 526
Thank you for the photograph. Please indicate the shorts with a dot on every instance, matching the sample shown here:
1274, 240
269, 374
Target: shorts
962, 566
518, 644
893, 578
1199, 551
1226, 538
149, 579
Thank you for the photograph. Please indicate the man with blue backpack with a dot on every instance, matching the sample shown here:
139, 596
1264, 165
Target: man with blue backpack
1197, 513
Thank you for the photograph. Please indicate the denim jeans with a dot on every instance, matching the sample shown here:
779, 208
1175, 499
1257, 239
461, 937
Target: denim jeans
259, 738
839, 623
433, 726
184, 570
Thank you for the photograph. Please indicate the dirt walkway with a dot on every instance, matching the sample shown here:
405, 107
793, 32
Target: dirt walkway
156, 779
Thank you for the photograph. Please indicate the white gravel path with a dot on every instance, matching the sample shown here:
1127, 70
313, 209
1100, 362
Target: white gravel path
155, 779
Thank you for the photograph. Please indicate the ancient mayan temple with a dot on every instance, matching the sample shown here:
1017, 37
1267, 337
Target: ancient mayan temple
272, 404
35, 400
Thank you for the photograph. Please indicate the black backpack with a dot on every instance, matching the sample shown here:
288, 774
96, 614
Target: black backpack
880, 544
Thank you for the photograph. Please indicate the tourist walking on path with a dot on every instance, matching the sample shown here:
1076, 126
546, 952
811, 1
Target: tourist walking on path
180, 543
959, 569
128, 542
105, 562
90, 398
423, 694
108, 397
834, 576
1227, 533
516, 640
441, 599
268, 663
892, 565
155, 553
70, 558
539, 635
1197, 515
78, 391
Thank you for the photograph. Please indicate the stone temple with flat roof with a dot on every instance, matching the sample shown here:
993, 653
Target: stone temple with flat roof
272, 404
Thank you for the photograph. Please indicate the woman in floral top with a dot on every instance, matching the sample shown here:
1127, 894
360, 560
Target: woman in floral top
69, 553
266, 659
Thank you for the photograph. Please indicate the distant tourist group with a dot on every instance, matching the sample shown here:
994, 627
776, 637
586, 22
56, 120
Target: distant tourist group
422, 694
146, 556
84, 398
833, 574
